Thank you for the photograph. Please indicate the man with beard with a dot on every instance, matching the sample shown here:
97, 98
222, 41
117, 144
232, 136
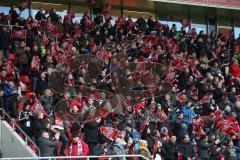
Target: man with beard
170, 149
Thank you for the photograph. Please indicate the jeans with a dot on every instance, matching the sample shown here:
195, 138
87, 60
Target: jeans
63, 138
23, 69
5, 53
34, 83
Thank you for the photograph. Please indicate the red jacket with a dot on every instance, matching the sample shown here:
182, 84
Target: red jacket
235, 70
75, 149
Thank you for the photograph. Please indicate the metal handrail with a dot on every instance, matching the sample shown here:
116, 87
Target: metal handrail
27, 138
79, 157
8, 25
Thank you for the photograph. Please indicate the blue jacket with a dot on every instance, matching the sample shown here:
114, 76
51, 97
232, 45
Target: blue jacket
7, 94
189, 114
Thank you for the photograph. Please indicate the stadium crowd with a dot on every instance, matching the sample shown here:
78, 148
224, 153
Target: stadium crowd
197, 118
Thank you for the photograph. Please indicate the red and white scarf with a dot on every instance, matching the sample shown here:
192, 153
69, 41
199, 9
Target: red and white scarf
79, 149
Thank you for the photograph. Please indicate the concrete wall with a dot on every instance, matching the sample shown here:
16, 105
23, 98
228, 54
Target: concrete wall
12, 144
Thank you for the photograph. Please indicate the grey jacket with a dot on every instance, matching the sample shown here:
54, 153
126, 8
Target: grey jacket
46, 146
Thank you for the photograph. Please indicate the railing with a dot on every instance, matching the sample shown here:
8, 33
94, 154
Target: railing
11, 26
110, 157
21, 133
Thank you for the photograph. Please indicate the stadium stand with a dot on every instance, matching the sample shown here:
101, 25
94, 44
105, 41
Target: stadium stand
133, 88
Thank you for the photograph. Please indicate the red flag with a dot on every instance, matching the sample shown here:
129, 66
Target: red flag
198, 126
45, 40
35, 64
171, 45
203, 100
184, 23
106, 9
24, 5
170, 76
109, 132
120, 22
181, 97
19, 34
160, 26
194, 93
91, 3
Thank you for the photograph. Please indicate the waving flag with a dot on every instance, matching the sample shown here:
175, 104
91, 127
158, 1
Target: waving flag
106, 9
181, 97
185, 23
24, 5
203, 100
91, 3
109, 133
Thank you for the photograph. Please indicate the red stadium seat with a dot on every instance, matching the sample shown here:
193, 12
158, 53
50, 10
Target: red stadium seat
24, 79
29, 94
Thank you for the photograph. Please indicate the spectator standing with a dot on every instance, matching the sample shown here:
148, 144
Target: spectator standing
142, 24
42, 84
25, 119
204, 147
46, 145
10, 97
78, 147
22, 55
231, 152
40, 16
151, 24
14, 15
143, 149
91, 134
188, 115
170, 149
38, 125
186, 149
53, 15
4, 44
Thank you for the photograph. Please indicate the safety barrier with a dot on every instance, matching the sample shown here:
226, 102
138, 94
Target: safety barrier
110, 157
17, 32
21, 133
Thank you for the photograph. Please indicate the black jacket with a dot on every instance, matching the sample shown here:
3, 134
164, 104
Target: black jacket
91, 132
14, 16
40, 16
38, 126
151, 24
142, 24
203, 149
5, 40
41, 86
187, 150
24, 117
170, 151
151, 140
54, 17
13, 106
46, 146
98, 150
